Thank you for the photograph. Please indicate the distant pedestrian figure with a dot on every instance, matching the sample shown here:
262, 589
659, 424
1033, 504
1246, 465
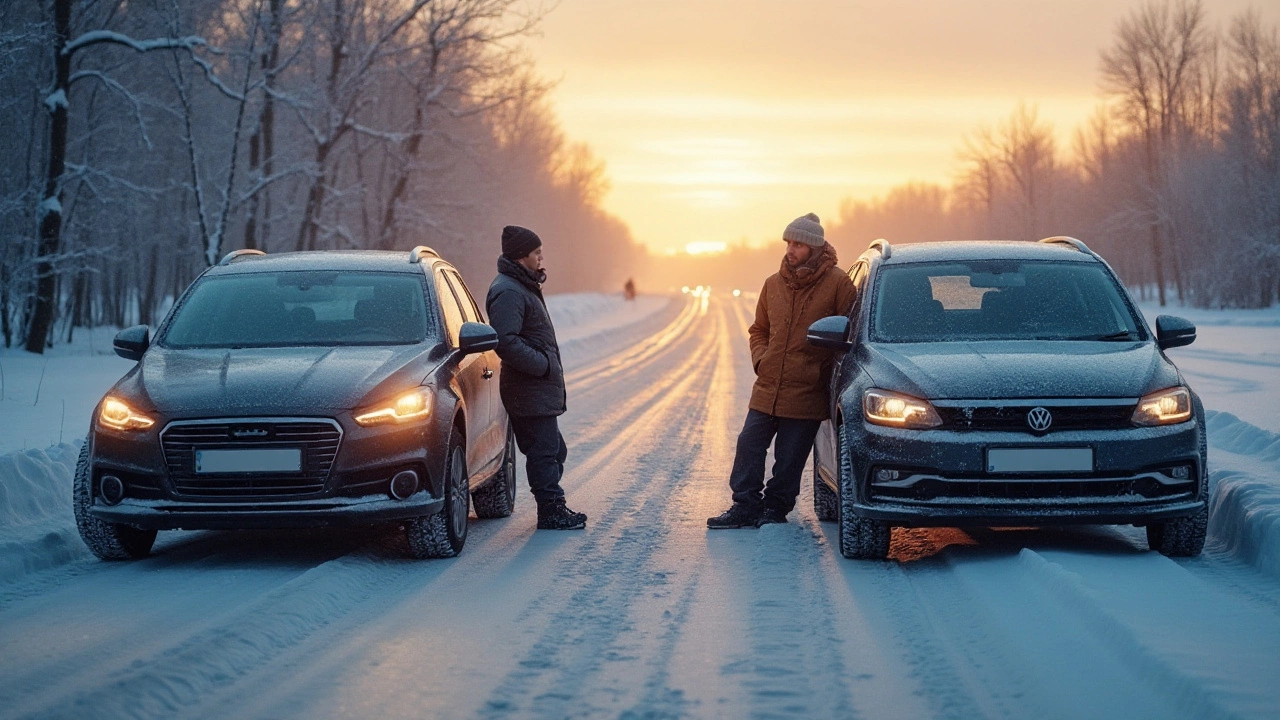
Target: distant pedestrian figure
629, 289
790, 398
532, 380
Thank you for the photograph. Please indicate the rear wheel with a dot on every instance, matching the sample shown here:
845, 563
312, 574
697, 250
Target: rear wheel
107, 540
826, 503
860, 538
497, 499
443, 534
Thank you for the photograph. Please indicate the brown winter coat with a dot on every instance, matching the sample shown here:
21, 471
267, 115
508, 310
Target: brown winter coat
792, 376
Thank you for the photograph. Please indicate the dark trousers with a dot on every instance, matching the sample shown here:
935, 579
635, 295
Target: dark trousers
544, 451
794, 440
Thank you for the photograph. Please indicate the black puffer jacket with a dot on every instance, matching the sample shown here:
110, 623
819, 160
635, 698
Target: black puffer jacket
532, 382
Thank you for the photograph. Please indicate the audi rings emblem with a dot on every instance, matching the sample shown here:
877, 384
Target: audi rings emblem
1039, 419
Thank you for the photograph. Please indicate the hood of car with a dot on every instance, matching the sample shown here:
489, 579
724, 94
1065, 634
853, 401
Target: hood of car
1024, 369
270, 381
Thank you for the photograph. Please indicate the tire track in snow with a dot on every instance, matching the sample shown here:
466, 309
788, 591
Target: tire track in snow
566, 672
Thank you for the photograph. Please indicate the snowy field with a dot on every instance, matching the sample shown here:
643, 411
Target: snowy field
646, 614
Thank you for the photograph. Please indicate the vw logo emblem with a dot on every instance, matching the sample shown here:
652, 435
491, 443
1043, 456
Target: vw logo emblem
1039, 419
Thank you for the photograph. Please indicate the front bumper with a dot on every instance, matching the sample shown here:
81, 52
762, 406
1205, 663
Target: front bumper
330, 512
944, 480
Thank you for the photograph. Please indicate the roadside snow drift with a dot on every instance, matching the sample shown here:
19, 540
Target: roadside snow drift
1244, 505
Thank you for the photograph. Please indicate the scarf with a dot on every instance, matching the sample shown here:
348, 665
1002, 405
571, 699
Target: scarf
820, 261
528, 278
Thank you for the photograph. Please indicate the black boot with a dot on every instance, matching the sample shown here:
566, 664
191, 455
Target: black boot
738, 516
770, 516
555, 515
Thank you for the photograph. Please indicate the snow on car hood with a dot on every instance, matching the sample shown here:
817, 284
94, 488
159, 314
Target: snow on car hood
1030, 368
303, 380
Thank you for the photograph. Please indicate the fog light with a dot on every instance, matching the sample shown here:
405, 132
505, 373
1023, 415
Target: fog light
112, 489
404, 484
886, 475
1181, 472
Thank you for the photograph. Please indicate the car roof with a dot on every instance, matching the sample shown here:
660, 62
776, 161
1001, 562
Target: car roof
985, 250
351, 260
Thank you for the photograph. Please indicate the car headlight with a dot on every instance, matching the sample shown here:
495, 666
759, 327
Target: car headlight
884, 407
119, 416
412, 405
1164, 407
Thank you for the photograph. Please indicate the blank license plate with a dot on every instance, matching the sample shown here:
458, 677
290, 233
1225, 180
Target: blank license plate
1038, 460
258, 460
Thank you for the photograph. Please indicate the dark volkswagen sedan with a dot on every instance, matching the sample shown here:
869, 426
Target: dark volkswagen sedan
303, 390
1005, 384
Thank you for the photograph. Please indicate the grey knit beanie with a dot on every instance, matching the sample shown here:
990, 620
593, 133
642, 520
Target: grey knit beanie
807, 230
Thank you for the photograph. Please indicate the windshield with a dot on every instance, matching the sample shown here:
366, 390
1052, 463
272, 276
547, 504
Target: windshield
301, 308
1000, 300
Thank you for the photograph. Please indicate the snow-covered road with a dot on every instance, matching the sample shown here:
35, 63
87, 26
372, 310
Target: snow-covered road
646, 614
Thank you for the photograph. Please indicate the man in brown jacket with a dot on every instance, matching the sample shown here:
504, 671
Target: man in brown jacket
791, 396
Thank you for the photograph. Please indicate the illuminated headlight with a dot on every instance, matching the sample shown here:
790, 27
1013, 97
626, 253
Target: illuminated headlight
883, 407
118, 416
1165, 407
409, 406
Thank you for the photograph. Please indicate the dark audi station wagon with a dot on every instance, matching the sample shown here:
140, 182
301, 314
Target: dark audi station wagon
1005, 384
303, 390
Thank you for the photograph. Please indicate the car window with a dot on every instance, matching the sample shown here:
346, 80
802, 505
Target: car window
858, 274
1000, 300
469, 309
291, 308
453, 317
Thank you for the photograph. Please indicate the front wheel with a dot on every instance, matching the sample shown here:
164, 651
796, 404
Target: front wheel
1179, 537
443, 534
860, 538
107, 540
497, 499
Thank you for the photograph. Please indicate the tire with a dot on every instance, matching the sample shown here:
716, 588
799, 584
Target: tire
1179, 537
860, 538
443, 534
1184, 536
497, 499
107, 540
826, 502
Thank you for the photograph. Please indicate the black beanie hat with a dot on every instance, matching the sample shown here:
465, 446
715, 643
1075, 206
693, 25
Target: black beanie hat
518, 242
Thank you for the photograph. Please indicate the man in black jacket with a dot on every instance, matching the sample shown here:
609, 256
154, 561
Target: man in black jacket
532, 381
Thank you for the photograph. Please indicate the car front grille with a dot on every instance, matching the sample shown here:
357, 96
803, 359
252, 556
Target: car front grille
931, 489
318, 439
1013, 416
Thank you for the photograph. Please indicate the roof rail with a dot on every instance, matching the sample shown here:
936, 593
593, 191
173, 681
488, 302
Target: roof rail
886, 250
1070, 241
415, 255
237, 254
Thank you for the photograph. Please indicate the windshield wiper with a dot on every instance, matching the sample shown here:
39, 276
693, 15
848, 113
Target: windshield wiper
1121, 335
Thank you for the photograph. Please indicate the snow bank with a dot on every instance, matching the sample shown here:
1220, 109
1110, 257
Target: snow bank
1244, 502
37, 529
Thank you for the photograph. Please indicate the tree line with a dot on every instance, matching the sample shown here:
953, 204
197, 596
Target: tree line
1175, 179
148, 138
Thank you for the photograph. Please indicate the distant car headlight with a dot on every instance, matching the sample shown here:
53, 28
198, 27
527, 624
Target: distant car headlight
1165, 407
884, 407
119, 416
412, 405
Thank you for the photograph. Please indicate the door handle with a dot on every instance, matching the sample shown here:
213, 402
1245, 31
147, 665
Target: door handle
487, 374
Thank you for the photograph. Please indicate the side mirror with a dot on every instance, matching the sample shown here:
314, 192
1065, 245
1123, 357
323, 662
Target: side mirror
476, 337
131, 343
830, 333
1172, 332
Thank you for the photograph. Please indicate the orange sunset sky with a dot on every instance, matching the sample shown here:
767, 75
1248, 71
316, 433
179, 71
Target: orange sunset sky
721, 120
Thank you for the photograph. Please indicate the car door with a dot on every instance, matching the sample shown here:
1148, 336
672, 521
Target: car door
469, 375
825, 450
492, 435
